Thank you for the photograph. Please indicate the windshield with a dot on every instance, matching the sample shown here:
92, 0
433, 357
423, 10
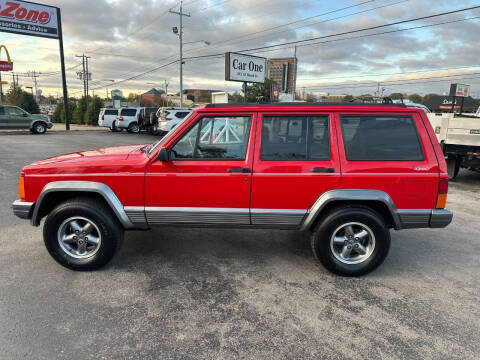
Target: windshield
163, 139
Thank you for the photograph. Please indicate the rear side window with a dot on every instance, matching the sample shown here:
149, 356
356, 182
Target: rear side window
295, 138
182, 114
381, 138
111, 112
2, 110
128, 112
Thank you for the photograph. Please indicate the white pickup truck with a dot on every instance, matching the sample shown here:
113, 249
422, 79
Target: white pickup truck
459, 136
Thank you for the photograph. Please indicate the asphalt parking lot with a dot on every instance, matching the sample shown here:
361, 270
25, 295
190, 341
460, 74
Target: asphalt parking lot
208, 294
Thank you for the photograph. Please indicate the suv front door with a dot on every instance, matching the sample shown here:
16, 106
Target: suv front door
208, 178
296, 160
17, 118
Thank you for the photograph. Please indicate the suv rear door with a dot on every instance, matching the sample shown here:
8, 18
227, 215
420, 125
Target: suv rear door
295, 162
207, 180
391, 152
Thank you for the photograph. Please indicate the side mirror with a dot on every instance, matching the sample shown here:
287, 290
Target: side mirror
164, 155
25, 115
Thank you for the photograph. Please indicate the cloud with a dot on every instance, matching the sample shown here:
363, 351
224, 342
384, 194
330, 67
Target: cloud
125, 38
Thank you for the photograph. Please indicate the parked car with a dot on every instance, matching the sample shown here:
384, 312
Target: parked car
15, 118
346, 174
144, 120
128, 118
107, 118
167, 118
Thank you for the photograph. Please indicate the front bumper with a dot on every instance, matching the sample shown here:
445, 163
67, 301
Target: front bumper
49, 125
23, 209
416, 219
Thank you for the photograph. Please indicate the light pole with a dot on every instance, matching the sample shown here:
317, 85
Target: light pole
109, 80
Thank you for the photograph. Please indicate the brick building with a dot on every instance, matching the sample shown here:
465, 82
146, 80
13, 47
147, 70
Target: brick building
283, 72
152, 97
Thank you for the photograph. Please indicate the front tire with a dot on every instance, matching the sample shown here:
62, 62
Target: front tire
82, 234
351, 241
39, 128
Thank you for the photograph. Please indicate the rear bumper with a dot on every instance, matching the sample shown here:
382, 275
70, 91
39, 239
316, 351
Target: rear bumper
23, 209
420, 218
441, 218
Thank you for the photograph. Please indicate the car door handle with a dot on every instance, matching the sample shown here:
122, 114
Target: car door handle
239, 170
323, 170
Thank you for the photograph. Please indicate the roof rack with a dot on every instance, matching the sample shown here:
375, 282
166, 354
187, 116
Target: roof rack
306, 104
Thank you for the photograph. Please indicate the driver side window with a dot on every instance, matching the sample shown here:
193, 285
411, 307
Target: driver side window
215, 138
13, 111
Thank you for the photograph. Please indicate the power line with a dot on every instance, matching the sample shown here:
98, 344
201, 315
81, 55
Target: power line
308, 42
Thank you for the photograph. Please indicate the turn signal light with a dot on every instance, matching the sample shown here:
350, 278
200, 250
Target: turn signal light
442, 193
21, 187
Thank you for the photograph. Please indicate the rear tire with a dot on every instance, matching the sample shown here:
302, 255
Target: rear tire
115, 128
39, 128
134, 128
351, 241
76, 245
453, 167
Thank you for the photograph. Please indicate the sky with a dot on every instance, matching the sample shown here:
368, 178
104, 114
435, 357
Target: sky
127, 38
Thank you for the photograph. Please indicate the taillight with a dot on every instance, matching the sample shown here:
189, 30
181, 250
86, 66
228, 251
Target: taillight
103, 117
120, 118
442, 193
21, 187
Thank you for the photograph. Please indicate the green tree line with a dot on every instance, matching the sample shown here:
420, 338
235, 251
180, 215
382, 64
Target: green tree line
79, 112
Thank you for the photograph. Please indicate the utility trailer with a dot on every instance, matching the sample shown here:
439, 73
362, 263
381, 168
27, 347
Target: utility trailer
459, 136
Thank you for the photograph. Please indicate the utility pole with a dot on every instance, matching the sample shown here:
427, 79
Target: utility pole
86, 66
34, 75
166, 91
84, 75
295, 74
180, 33
13, 77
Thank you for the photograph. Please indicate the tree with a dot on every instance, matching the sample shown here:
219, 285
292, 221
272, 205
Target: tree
79, 112
236, 98
259, 92
398, 96
428, 96
18, 97
133, 97
415, 98
94, 106
59, 115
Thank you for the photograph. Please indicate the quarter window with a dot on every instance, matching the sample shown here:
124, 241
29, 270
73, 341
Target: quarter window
215, 138
381, 138
295, 138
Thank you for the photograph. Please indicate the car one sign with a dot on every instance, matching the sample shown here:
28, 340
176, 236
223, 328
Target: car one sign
23, 17
245, 68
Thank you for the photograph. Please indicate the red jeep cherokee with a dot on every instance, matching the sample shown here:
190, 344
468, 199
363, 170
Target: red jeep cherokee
347, 173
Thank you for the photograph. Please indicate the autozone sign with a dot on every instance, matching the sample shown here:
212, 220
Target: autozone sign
24, 17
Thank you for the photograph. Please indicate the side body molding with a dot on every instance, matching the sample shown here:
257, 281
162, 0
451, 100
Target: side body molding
350, 195
83, 186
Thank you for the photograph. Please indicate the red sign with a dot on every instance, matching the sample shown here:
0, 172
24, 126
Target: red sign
6, 66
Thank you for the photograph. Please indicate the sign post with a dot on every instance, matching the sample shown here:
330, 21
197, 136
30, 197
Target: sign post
28, 18
245, 68
459, 90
